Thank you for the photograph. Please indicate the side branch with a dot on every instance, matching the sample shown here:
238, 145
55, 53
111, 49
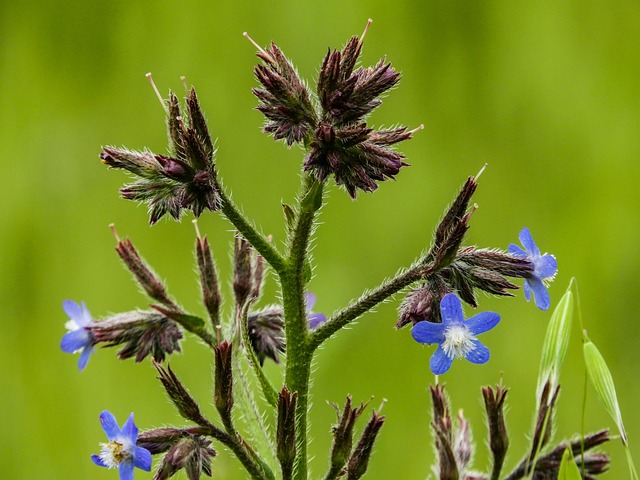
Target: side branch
251, 234
365, 303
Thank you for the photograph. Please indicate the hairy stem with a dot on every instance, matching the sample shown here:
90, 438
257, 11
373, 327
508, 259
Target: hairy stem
365, 303
251, 234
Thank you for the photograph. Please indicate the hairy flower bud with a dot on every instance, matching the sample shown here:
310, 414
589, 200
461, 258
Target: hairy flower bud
183, 401
498, 436
146, 278
191, 453
423, 303
286, 431
142, 333
266, 332
248, 272
343, 436
210, 287
223, 375
359, 460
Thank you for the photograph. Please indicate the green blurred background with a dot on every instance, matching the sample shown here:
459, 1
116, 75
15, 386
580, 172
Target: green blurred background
547, 93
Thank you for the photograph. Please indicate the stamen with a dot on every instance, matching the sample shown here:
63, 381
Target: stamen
155, 89
384, 402
218, 333
195, 224
417, 129
115, 233
260, 49
480, 172
366, 28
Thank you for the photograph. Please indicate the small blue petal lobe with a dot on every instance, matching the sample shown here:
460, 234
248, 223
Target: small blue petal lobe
516, 251
142, 459
109, 425
316, 319
97, 460
540, 294
84, 357
125, 469
527, 290
440, 362
427, 332
451, 309
75, 340
129, 429
309, 300
478, 355
545, 266
482, 322
72, 309
527, 241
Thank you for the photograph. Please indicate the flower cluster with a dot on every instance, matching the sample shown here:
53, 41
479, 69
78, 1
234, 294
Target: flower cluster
339, 141
186, 179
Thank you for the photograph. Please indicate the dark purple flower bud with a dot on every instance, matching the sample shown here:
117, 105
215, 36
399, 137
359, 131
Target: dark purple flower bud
284, 98
210, 287
266, 332
175, 169
356, 155
286, 431
181, 398
442, 426
248, 272
423, 303
343, 436
141, 334
192, 453
462, 447
359, 460
223, 375
142, 164
159, 440
145, 277
498, 436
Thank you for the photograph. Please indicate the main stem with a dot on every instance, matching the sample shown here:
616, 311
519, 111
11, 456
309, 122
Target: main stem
293, 282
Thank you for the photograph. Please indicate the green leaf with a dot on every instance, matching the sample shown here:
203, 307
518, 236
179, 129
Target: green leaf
312, 201
556, 341
568, 468
602, 381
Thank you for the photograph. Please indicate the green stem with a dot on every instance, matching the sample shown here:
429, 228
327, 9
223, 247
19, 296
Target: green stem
251, 234
293, 281
365, 303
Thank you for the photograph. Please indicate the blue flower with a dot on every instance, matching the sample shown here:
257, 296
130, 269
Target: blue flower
121, 451
315, 319
79, 339
544, 269
455, 336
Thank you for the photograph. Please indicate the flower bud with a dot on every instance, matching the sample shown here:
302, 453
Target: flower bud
223, 375
359, 460
183, 401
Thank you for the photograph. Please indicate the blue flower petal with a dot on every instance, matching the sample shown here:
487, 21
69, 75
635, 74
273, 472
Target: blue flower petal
540, 294
527, 241
545, 266
478, 355
451, 309
72, 309
109, 425
428, 332
440, 362
98, 461
309, 300
516, 251
316, 319
76, 340
482, 322
125, 469
84, 357
142, 459
129, 429
527, 290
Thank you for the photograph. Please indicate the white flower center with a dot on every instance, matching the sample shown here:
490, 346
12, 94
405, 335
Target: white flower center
71, 326
458, 341
114, 453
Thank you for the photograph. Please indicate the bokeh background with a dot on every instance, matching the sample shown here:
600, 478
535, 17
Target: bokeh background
547, 93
